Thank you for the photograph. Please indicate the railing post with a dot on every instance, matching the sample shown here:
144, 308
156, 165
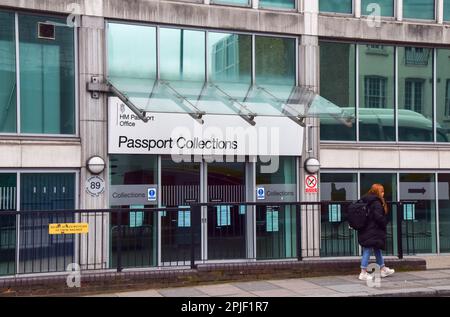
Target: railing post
119, 242
399, 230
195, 212
299, 233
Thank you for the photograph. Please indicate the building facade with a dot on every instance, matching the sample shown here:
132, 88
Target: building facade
212, 80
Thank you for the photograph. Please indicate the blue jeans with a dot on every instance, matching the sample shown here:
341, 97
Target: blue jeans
366, 257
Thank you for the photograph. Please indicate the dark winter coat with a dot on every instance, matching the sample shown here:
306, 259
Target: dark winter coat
373, 235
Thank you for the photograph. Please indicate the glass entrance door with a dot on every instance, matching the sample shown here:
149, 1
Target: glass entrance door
180, 186
39, 251
226, 223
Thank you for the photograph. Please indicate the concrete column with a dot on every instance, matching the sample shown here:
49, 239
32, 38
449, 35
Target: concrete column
399, 10
309, 77
440, 11
357, 8
93, 133
311, 14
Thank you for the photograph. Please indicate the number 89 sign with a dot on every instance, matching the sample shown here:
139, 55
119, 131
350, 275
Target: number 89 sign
95, 185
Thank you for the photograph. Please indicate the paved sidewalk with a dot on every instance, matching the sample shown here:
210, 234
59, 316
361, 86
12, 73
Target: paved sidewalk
422, 283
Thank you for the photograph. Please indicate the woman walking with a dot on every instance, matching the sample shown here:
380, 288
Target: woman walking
373, 235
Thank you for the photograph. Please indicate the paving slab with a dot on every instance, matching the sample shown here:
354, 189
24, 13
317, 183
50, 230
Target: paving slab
149, 293
181, 292
256, 286
275, 293
295, 285
219, 290
325, 281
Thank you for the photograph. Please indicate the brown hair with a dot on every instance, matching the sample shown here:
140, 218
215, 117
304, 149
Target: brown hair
376, 190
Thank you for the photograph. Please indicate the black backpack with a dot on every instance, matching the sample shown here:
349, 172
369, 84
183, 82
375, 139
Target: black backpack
358, 214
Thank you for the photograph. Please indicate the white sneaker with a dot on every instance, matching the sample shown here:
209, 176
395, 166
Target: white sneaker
364, 276
385, 271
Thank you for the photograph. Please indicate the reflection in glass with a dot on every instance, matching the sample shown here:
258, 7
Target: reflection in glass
415, 84
444, 212
39, 251
182, 55
226, 183
8, 89
386, 6
132, 58
389, 182
377, 93
338, 6
282, 4
180, 186
8, 201
337, 84
275, 61
443, 95
418, 9
337, 239
230, 58
232, 2
139, 243
419, 220
446, 10
47, 76
276, 225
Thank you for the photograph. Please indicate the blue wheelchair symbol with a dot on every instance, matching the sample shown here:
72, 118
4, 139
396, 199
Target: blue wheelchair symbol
260, 193
151, 194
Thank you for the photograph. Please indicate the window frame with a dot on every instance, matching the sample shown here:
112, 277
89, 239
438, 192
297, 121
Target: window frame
433, 20
76, 109
397, 47
253, 36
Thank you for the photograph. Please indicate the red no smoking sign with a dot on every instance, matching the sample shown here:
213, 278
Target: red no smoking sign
311, 184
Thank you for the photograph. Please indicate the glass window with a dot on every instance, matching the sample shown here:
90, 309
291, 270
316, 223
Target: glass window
419, 219
8, 87
282, 4
443, 95
415, 84
275, 61
230, 58
386, 7
131, 56
133, 169
47, 77
140, 247
40, 252
418, 9
336, 237
389, 182
182, 55
444, 212
232, 2
337, 84
275, 225
377, 93
8, 202
446, 10
339, 6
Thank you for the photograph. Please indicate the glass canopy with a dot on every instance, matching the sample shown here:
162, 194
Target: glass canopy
248, 101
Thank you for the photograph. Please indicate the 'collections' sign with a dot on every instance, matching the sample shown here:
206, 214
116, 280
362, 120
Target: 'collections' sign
120, 195
276, 192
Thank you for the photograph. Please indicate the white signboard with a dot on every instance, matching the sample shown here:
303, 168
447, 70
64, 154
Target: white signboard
180, 134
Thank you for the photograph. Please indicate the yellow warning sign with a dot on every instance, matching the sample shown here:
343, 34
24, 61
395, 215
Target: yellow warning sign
68, 228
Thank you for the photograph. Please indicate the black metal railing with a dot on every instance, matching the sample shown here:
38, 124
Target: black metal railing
183, 237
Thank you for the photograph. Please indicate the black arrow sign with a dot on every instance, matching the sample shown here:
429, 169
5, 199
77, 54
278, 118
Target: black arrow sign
417, 191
